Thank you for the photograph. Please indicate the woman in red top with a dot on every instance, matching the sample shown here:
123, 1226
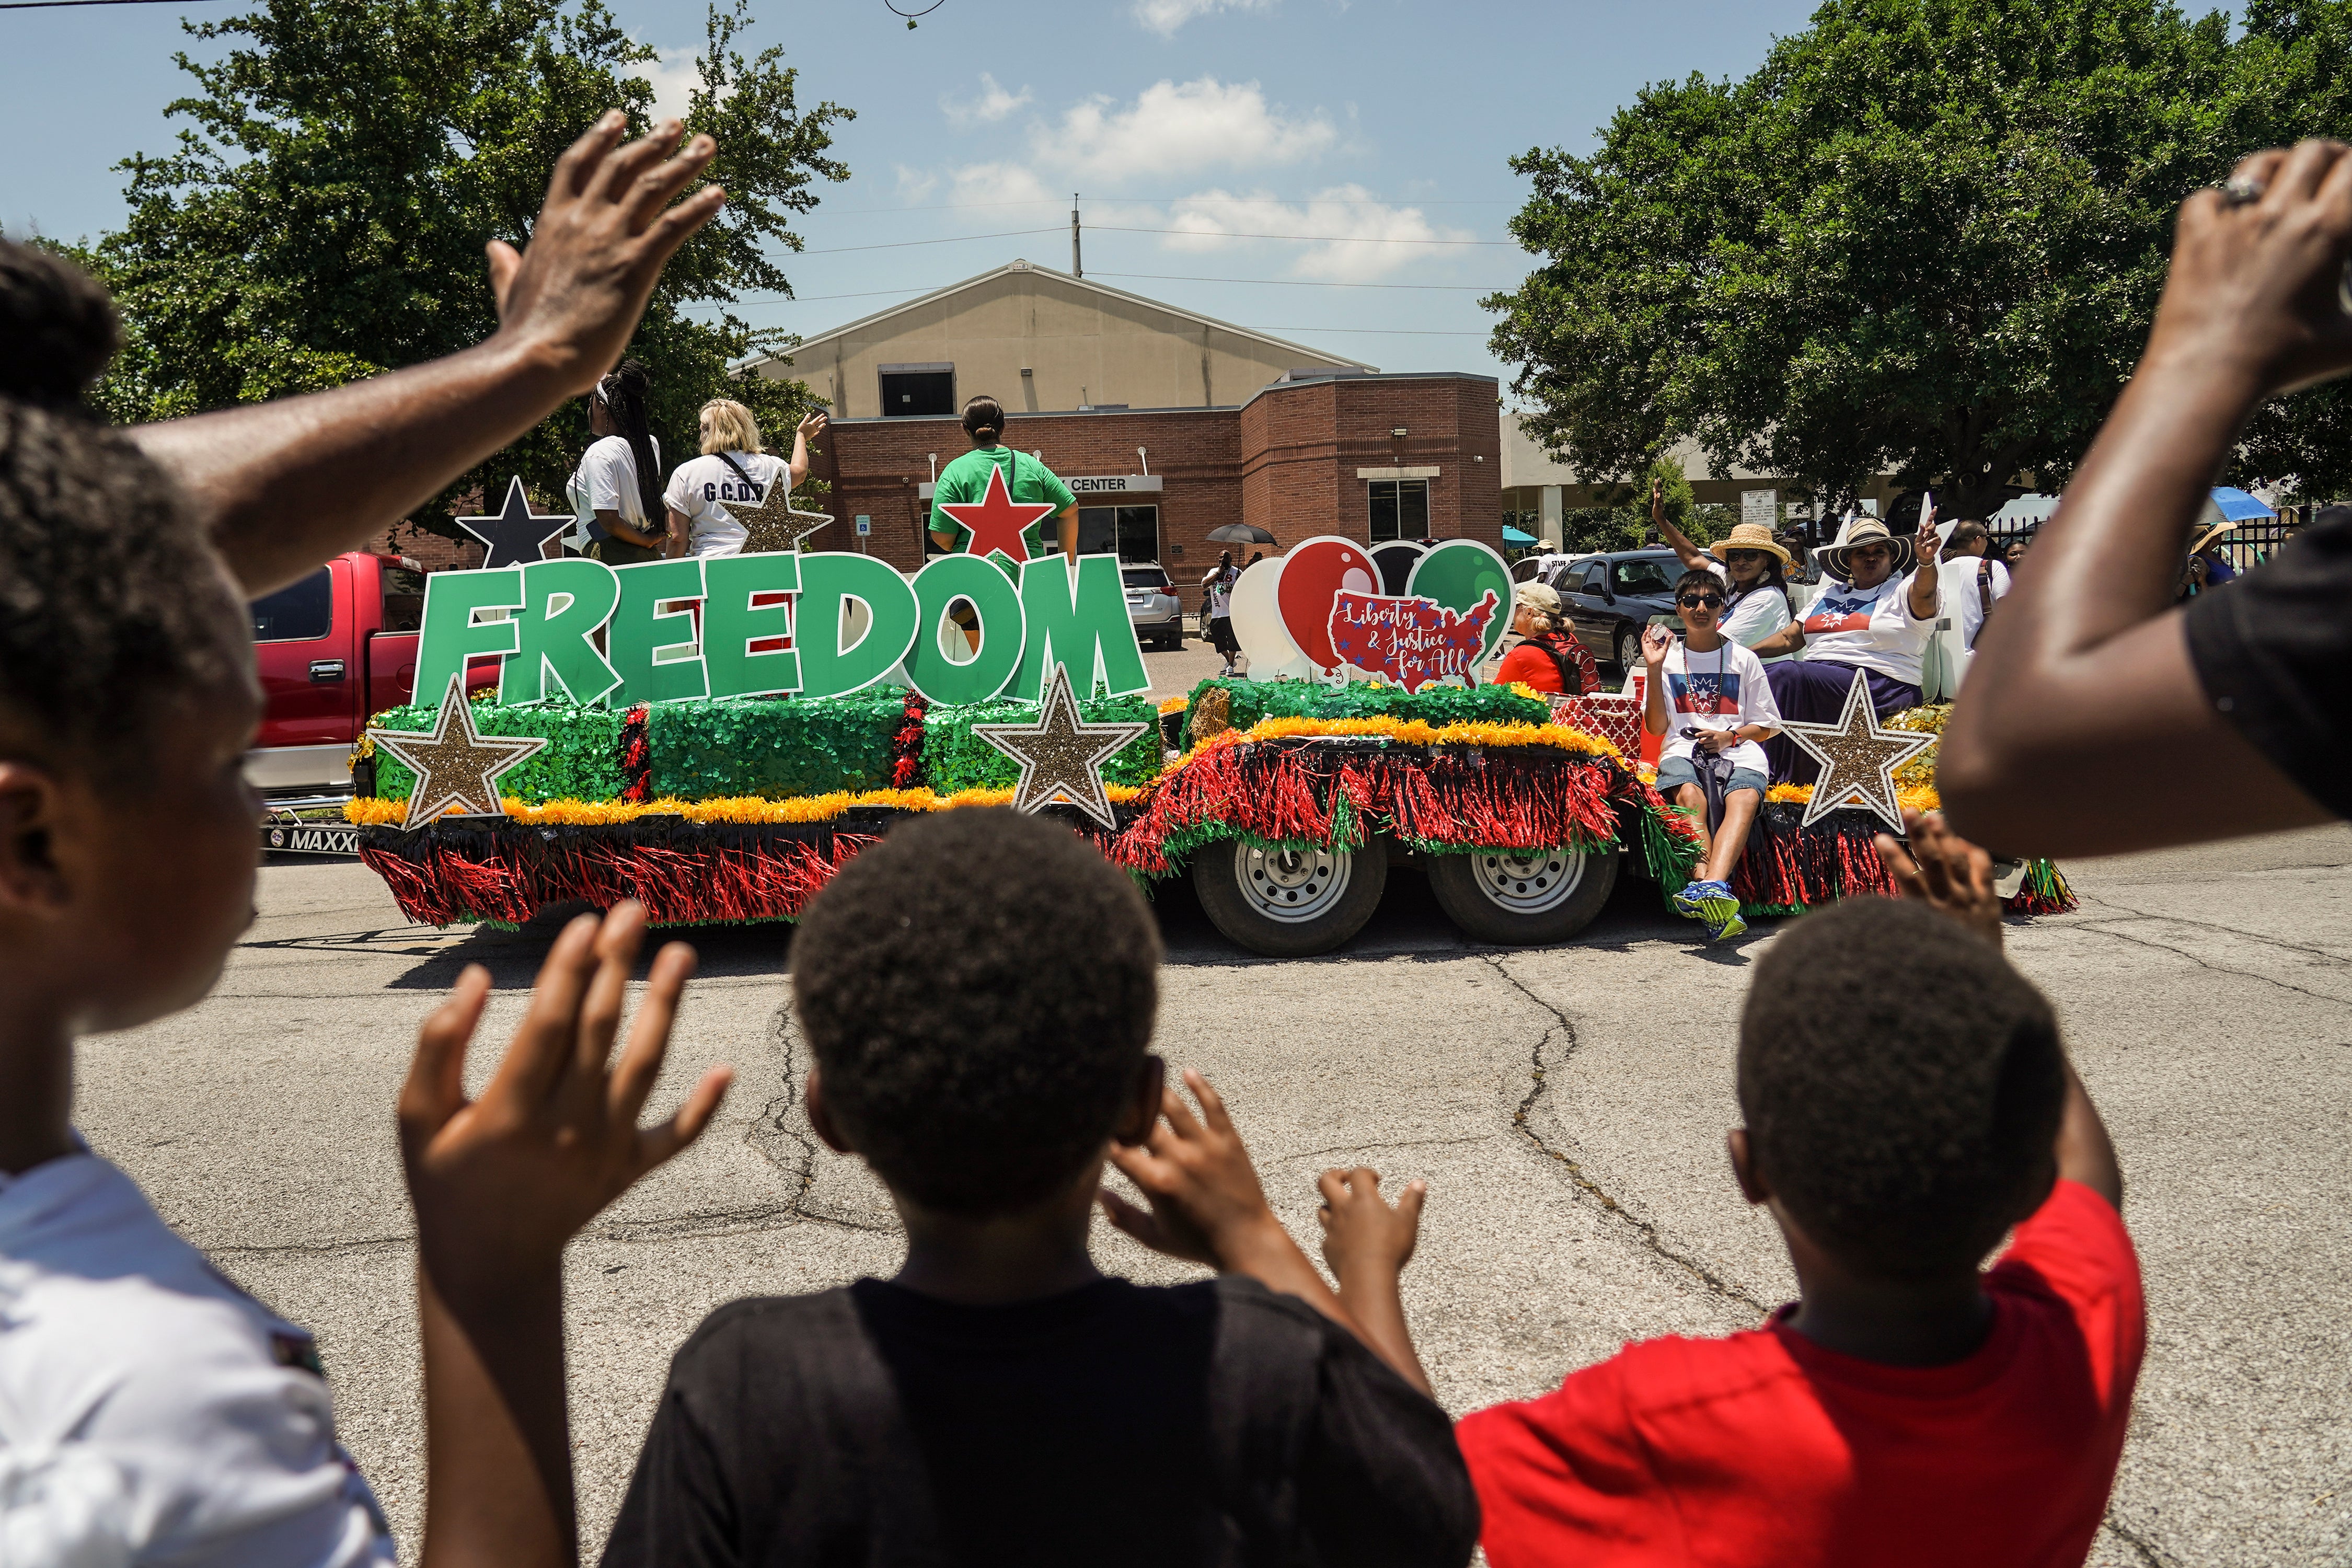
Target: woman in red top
1549, 658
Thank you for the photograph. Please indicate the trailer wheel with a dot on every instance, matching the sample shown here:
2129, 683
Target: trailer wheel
1288, 903
1523, 897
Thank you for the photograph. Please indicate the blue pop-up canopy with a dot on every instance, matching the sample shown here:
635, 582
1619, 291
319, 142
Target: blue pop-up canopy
1516, 538
2235, 506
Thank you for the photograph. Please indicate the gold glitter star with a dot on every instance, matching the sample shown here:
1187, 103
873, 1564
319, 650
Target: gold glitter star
1061, 756
456, 765
1858, 759
773, 525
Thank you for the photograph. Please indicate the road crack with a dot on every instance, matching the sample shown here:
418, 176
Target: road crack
1588, 1189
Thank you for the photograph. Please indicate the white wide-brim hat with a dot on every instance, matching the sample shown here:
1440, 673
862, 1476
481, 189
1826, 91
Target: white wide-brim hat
1859, 531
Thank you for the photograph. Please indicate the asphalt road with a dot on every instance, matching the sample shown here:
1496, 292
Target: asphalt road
1567, 1107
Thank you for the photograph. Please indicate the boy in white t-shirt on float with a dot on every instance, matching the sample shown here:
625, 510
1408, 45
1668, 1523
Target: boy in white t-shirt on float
1710, 697
733, 467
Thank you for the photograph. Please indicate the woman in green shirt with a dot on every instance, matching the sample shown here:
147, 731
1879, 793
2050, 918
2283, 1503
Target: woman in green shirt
962, 516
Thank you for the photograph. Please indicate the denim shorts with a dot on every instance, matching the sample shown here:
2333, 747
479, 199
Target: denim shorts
1677, 771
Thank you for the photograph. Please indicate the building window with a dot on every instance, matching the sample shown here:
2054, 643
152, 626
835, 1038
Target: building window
926, 390
1400, 510
1132, 532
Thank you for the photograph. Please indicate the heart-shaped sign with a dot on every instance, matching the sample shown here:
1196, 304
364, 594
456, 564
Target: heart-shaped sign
1313, 573
1459, 574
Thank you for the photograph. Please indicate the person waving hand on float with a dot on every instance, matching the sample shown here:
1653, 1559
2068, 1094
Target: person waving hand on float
994, 501
1750, 564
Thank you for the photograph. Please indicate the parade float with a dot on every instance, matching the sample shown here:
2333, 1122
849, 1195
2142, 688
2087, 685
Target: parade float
715, 736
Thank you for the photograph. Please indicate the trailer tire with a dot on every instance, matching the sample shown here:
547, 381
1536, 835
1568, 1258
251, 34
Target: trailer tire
1288, 903
1526, 899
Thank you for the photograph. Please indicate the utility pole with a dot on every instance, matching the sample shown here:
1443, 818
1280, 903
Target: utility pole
1077, 267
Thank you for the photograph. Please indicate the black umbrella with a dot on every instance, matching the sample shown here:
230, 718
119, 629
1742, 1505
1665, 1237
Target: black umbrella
1240, 533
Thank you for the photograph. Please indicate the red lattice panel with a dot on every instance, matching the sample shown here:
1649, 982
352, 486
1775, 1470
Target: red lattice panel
1615, 717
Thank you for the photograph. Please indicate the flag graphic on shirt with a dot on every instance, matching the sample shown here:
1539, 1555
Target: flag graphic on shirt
1712, 692
1835, 614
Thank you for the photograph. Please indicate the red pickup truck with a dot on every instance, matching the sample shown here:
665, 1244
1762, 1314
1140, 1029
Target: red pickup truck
333, 648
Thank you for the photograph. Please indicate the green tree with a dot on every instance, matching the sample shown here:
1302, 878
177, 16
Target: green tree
1619, 518
324, 216
1926, 237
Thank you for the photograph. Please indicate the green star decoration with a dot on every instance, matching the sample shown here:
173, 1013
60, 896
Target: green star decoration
1858, 759
1061, 756
456, 765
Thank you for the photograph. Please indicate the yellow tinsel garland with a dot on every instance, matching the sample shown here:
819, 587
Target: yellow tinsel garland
1416, 732
373, 813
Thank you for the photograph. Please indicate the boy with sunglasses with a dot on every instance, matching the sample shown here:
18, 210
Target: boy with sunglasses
1710, 699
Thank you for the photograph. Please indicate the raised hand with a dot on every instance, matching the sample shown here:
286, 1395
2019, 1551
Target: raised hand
574, 296
1207, 1205
812, 425
1944, 871
1367, 1243
502, 1182
1361, 1233
2259, 282
1656, 643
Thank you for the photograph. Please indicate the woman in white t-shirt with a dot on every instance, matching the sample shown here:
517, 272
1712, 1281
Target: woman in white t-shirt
1750, 564
1869, 621
733, 467
617, 490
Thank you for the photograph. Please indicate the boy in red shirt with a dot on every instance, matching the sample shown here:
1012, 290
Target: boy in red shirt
1907, 1408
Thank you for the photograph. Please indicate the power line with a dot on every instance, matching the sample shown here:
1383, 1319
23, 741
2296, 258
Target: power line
1186, 201
46, 5
1304, 283
1310, 239
951, 239
1374, 331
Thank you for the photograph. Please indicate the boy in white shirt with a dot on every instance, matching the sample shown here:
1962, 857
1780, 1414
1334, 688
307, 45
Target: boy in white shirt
733, 467
1710, 697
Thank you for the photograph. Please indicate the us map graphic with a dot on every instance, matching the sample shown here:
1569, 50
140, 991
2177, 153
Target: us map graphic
1413, 642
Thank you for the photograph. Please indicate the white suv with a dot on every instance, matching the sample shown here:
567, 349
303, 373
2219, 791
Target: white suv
1152, 604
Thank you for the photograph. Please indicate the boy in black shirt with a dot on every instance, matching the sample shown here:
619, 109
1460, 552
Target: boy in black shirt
1001, 1400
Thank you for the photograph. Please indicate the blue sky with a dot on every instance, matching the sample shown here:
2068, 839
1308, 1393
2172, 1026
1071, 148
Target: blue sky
1358, 123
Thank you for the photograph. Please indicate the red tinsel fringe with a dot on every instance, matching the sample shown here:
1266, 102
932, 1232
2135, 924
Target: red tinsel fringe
636, 756
677, 886
907, 745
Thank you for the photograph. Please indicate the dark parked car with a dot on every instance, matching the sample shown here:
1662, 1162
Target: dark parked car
1609, 599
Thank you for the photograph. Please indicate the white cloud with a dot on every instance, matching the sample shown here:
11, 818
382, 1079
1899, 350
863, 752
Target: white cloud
672, 77
1217, 220
981, 185
993, 104
1172, 128
1164, 16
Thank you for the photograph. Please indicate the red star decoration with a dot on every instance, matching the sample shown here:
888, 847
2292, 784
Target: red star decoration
996, 520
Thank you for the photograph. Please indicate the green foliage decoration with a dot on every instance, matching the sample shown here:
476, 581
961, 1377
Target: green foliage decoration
955, 759
581, 759
1255, 699
773, 747
323, 217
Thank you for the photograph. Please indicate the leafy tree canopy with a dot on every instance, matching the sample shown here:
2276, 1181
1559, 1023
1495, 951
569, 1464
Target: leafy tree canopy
1926, 237
324, 216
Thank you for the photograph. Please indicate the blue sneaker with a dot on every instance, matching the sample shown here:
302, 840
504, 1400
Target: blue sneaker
1720, 910
1688, 904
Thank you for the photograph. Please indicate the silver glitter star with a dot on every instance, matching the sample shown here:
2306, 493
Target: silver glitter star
1061, 756
774, 525
1858, 759
456, 765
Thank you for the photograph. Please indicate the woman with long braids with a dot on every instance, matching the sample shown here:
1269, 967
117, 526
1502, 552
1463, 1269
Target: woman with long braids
617, 489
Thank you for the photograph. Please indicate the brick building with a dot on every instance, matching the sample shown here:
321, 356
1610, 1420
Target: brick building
1366, 455
1166, 423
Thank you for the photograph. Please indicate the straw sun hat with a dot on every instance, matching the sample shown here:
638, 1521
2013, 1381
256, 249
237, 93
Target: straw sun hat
1750, 536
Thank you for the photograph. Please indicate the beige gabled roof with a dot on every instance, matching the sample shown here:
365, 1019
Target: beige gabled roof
1019, 265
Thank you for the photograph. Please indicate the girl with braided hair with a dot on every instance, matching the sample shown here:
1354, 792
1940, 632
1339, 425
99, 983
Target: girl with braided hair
618, 490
